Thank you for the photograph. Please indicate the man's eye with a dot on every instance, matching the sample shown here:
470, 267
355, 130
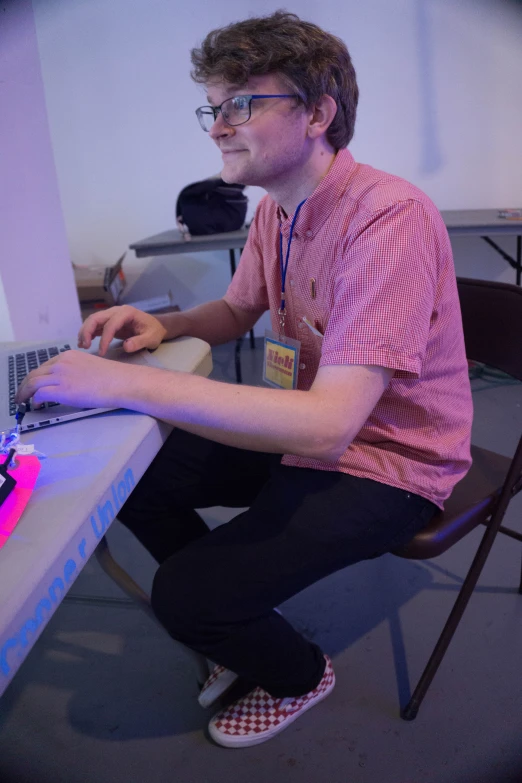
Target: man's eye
240, 102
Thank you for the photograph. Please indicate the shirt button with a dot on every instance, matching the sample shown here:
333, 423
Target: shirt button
302, 366
309, 233
300, 325
292, 282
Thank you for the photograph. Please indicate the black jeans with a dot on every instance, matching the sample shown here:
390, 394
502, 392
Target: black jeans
215, 590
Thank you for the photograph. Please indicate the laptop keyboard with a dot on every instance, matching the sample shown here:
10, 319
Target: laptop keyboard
19, 364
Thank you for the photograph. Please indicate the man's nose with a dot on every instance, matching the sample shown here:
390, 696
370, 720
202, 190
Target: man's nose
220, 128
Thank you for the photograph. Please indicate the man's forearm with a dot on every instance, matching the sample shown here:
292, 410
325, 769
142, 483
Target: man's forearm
215, 322
247, 417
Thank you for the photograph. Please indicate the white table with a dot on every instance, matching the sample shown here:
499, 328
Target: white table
91, 467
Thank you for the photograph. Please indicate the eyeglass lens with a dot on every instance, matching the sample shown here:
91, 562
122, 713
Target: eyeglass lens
235, 111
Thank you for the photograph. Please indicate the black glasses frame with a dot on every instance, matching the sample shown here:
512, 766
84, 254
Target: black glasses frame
215, 110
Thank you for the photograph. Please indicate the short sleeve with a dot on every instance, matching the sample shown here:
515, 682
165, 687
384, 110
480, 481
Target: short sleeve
248, 288
384, 291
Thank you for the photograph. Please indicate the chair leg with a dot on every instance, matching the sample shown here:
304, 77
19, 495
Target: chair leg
410, 711
518, 537
126, 583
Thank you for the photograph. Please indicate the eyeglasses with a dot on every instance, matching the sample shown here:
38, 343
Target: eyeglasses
235, 111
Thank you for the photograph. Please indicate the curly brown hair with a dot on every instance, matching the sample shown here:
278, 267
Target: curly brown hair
310, 61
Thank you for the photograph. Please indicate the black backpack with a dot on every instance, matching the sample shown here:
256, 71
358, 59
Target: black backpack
211, 207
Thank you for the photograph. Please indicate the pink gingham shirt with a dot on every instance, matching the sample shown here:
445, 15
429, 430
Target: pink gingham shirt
386, 295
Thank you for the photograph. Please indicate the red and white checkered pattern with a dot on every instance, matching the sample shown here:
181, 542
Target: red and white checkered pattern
384, 294
218, 683
259, 717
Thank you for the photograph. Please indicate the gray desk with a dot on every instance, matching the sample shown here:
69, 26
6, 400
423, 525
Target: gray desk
485, 223
91, 467
172, 242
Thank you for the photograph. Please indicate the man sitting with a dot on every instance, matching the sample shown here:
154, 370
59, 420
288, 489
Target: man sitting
366, 428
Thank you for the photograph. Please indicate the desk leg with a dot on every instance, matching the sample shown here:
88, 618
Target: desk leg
237, 353
237, 360
232, 255
126, 583
516, 263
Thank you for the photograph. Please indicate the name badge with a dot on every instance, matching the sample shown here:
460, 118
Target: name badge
281, 361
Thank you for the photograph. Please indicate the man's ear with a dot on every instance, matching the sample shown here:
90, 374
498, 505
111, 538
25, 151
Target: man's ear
323, 113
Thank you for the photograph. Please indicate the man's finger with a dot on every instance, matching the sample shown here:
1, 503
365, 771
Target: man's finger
32, 383
134, 344
92, 326
46, 394
85, 342
111, 327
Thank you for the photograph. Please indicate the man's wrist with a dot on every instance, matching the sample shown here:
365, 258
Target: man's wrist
173, 323
136, 388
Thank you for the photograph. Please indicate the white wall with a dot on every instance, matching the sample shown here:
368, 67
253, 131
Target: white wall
439, 83
37, 292
6, 326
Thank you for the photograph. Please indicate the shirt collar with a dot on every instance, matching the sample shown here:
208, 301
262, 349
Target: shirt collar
320, 204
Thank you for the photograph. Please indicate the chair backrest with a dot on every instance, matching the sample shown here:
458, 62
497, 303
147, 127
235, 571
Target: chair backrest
492, 320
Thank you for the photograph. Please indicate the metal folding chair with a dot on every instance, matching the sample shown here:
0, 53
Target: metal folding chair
492, 320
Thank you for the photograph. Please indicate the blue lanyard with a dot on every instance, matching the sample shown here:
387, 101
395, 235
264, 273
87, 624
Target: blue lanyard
284, 266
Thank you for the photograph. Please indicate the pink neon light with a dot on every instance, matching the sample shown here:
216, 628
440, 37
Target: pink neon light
13, 506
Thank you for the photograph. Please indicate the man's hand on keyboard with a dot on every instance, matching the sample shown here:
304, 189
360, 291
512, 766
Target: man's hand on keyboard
83, 380
138, 329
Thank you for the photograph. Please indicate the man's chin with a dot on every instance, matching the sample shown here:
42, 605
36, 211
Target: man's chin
230, 178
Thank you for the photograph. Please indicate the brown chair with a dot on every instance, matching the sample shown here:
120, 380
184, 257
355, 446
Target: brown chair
492, 319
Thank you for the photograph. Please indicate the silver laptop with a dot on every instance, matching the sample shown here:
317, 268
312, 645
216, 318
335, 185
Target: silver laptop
15, 364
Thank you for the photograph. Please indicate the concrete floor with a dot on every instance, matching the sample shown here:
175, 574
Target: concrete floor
106, 696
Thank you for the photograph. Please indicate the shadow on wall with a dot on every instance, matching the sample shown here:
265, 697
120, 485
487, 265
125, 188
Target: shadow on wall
431, 155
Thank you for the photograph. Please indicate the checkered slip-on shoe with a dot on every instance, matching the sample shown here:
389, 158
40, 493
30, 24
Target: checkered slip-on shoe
218, 683
258, 717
